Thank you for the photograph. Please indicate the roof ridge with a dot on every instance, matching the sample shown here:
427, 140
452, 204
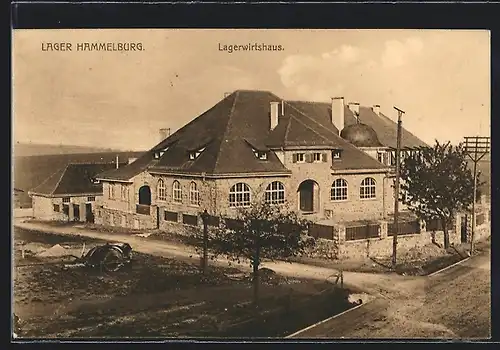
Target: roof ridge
305, 101
383, 116
287, 130
308, 127
185, 126
48, 178
308, 117
252, 90
227, 127
346, 143
97, 163
60, 179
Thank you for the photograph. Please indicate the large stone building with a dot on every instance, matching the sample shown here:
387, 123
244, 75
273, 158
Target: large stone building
72, 193
325, 160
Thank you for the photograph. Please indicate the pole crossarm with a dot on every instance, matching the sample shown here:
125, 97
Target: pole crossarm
477, 147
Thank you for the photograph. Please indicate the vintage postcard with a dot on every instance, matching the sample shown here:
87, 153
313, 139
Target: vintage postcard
289, 184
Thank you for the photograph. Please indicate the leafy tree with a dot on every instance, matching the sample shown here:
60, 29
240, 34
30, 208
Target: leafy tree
260, 232
437, 183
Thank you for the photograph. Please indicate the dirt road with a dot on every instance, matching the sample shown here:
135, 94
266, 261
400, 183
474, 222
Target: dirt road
371, 283
454, 304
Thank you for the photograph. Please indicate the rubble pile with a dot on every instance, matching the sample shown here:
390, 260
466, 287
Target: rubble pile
55, 250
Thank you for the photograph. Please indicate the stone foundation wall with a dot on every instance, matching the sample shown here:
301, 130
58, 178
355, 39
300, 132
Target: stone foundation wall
118, 218
382, 247
323, 249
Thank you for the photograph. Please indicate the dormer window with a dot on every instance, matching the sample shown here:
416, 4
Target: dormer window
336, 154
195, 154
159, 153
259, 149
260, 154
392, 159
380, 157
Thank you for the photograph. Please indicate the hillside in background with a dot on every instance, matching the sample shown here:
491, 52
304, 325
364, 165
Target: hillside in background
30, 171
484, 166
35, 149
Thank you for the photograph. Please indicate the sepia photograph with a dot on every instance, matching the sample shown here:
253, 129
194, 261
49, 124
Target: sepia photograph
251, 183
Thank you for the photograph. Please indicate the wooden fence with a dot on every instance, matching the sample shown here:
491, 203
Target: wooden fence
435, 225
321, 231
362, 232
404, 228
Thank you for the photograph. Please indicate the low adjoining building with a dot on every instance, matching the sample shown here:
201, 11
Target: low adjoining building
72, 193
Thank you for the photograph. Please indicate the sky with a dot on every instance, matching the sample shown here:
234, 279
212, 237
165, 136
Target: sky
112, 99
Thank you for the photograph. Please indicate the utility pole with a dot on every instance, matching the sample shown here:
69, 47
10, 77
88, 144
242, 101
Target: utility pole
476, 148
396, 190
204, 261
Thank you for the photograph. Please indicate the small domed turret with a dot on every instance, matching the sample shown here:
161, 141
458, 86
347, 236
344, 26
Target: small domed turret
360, 135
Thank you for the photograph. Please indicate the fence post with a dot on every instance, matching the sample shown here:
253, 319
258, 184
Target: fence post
383, 229
341, 233
423, 226
486, 214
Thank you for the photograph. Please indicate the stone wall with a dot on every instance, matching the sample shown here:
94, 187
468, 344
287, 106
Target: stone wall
483, 230
382, 247
43, 207
132, 220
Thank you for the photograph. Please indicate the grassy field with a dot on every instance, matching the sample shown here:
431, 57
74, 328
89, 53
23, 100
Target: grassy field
155, 297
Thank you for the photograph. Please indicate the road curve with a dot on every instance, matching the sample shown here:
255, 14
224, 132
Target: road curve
453, 304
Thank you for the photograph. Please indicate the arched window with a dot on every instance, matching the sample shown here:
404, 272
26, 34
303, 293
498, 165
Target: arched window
161, 191
367, 189
194, 194
177, 192
239, 195
275, 193
339, 190
124, 192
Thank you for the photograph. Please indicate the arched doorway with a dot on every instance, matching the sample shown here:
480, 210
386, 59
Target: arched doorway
145, 195
308, 194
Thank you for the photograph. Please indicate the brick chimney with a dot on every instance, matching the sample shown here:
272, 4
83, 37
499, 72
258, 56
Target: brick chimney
274, 115
376, 109
164, 133
338, 113
354, 107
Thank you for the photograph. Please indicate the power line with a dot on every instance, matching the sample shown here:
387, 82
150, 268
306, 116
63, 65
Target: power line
476, 147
